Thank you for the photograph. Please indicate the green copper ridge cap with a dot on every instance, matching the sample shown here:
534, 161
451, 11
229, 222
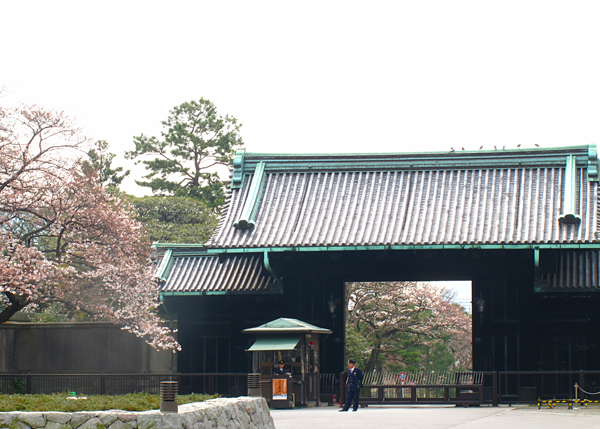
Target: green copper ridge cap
165, 265
570, 216
449, 160
595, 245
246, 220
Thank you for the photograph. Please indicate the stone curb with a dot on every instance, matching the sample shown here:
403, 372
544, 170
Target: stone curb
220, 413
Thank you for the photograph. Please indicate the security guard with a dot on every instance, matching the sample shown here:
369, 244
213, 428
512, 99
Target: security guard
279, 370
354, 383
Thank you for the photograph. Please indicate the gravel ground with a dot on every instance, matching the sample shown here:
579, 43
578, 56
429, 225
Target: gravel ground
416, 417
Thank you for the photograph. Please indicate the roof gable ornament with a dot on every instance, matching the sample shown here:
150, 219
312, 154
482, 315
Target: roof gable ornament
237, 179
592, 170
570, 216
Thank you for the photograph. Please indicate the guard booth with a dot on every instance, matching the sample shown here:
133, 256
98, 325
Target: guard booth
296, 343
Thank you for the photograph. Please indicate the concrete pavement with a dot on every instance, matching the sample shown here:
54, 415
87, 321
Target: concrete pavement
417, 417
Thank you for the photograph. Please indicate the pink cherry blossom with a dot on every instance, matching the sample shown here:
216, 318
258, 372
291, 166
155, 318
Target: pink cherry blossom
63, 238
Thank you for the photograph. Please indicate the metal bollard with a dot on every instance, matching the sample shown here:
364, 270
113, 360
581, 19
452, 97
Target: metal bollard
168, 396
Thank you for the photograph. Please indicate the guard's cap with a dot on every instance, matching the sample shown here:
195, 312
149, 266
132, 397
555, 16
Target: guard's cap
280, 362
352, 362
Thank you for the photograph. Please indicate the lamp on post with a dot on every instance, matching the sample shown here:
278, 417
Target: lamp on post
480, 307
331, 306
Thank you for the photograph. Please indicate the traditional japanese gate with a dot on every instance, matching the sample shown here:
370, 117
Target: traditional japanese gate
521, 225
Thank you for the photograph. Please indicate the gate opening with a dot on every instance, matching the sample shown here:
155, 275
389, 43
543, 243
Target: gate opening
410, 326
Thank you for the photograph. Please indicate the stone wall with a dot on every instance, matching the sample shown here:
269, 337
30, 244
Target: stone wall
51, 348
221, 413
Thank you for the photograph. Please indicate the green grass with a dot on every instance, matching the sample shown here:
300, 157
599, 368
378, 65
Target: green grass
58, 402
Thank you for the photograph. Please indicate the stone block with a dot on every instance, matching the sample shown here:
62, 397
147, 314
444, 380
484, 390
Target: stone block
212, 413
55, 425
33, 420
6, 419
241, 414
256, 419
171, 421
148, 421
58, 417
77, 419
222, 420
127, 417
93, 423
188, 419
118, 424
199, 415
107, 418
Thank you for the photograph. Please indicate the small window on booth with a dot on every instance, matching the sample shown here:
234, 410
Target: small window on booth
267, 356
289, 356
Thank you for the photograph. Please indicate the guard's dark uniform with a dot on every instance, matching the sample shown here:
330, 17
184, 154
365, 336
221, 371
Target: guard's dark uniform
354, 383
279, 370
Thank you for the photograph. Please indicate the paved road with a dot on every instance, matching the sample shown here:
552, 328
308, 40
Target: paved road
438, 417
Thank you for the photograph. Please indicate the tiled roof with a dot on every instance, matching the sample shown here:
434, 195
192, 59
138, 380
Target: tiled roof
403, 200
205, 274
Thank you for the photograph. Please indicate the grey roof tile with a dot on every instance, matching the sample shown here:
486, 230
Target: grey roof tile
405, 207
239, 274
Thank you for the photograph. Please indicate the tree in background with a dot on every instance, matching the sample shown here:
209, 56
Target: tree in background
100, 161
175, 219
63, 238
165, 219
182, 161
406, 325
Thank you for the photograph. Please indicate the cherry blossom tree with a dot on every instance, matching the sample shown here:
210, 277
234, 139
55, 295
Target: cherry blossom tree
63, 237
407, 324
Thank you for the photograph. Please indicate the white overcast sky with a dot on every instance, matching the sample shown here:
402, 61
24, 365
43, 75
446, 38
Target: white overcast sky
315, 76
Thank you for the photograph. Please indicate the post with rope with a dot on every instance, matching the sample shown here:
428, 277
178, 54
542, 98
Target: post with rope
585, 401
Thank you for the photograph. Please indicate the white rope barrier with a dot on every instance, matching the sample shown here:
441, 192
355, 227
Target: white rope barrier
587, 393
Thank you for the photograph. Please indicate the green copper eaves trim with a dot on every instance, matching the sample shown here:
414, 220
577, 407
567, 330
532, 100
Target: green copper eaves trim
271, 291
199, 250
157, 245
408, 247
191, 293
